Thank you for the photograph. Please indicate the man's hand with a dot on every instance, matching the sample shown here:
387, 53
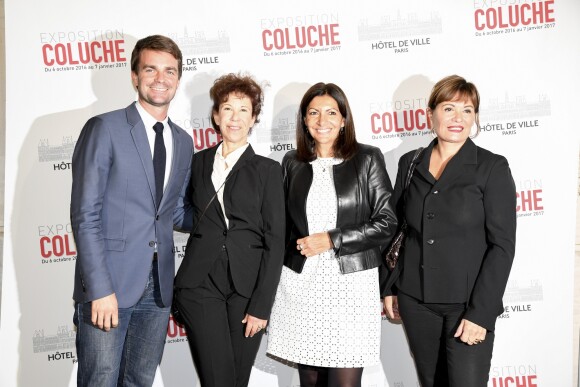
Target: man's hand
105, 312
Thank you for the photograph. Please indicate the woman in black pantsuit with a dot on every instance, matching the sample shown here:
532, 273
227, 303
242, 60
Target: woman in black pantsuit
227, 280
461, 215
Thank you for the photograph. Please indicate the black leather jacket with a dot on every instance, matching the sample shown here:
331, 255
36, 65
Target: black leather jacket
366, 221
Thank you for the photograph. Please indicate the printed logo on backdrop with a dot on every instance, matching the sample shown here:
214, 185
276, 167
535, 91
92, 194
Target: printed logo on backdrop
202, 131
530, 198
399, 118
521, 375
200, 49
401, 33
514, 116
299, 35
56, 243
175, 332
179, 244
496, 17
520, 298
282, 135
58, 153
82, 50
59, 346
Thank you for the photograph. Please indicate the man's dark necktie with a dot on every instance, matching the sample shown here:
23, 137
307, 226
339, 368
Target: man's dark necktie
159, 161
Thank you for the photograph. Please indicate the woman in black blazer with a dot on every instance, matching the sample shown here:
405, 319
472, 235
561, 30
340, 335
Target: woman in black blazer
227, 280
461, 214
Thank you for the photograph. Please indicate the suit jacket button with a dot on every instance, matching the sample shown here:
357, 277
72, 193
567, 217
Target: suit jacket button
151, 243
225, 232
430, 241
223, 247
430, 215
435, 192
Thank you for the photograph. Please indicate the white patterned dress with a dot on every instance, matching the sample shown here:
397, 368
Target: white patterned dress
320, 316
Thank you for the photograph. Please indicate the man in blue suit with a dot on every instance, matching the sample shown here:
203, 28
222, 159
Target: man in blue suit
130, 171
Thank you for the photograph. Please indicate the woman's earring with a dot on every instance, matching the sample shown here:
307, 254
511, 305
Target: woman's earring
433, 134
473, 132
341, 131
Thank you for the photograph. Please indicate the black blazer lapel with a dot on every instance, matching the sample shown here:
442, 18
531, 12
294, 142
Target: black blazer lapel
214, 211
422, 167
242, 162
461, 163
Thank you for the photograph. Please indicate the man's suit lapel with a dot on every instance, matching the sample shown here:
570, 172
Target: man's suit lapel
142, 144
177, 150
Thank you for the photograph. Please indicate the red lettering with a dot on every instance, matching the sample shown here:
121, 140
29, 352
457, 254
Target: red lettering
67, 246
374, 118
525, 19
387, 128
202, 140
287, 36
174, 329
83, 52
45, 49
517, 381
396, 121
60, 53
119, 50
108, 51
549, 11
412, 120
422, 125
69, 54
58, 245
334, 35
529, 200
46, 253
300, 37
517, 14
311, 42
323, 35
478, 25
267, 46
538, 12
84, 55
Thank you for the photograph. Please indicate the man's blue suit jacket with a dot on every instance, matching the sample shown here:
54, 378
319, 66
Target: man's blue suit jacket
115, 222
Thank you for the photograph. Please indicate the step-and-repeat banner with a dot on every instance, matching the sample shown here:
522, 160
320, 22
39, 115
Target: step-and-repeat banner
67, 61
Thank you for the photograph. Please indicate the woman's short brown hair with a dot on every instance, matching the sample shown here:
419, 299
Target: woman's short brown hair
345, 146
455, 88
241, 84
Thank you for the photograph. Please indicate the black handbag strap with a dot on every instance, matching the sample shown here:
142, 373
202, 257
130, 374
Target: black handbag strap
408, 182
233, 172
208, 204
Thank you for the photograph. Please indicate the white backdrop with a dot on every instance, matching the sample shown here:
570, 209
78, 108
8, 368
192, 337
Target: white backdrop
67, 61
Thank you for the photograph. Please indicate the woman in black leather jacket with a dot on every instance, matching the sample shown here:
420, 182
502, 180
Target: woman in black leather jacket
327, 313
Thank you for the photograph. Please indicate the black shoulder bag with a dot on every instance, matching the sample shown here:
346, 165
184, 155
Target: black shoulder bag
394, 251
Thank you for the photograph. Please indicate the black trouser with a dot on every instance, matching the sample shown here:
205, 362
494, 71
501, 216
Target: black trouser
213, 314
441, 359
